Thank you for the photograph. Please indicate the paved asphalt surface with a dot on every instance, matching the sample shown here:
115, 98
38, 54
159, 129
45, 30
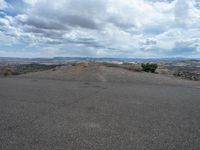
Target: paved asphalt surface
62, 115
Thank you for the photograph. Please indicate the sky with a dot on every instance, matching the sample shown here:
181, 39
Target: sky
100, 28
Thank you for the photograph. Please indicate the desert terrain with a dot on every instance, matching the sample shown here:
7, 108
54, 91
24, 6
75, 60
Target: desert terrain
96, 106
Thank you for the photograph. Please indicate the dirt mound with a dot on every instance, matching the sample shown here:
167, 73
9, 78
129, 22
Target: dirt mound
93, 72
79, 72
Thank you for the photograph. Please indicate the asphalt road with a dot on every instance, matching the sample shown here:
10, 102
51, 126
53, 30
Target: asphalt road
40, 114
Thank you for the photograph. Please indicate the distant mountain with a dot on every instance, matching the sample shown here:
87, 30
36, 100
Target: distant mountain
103, 59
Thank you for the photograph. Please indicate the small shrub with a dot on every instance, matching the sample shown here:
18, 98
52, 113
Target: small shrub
7, 72
149, 67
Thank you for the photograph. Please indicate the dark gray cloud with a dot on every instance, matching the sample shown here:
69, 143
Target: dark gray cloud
186, 47
81, 21
43, 23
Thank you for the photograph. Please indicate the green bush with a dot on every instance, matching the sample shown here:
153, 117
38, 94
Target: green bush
148, 67
7, 72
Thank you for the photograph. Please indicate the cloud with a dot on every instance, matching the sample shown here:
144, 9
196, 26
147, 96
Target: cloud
185, 48
125, 28
148, 44
197, 4
3, 5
